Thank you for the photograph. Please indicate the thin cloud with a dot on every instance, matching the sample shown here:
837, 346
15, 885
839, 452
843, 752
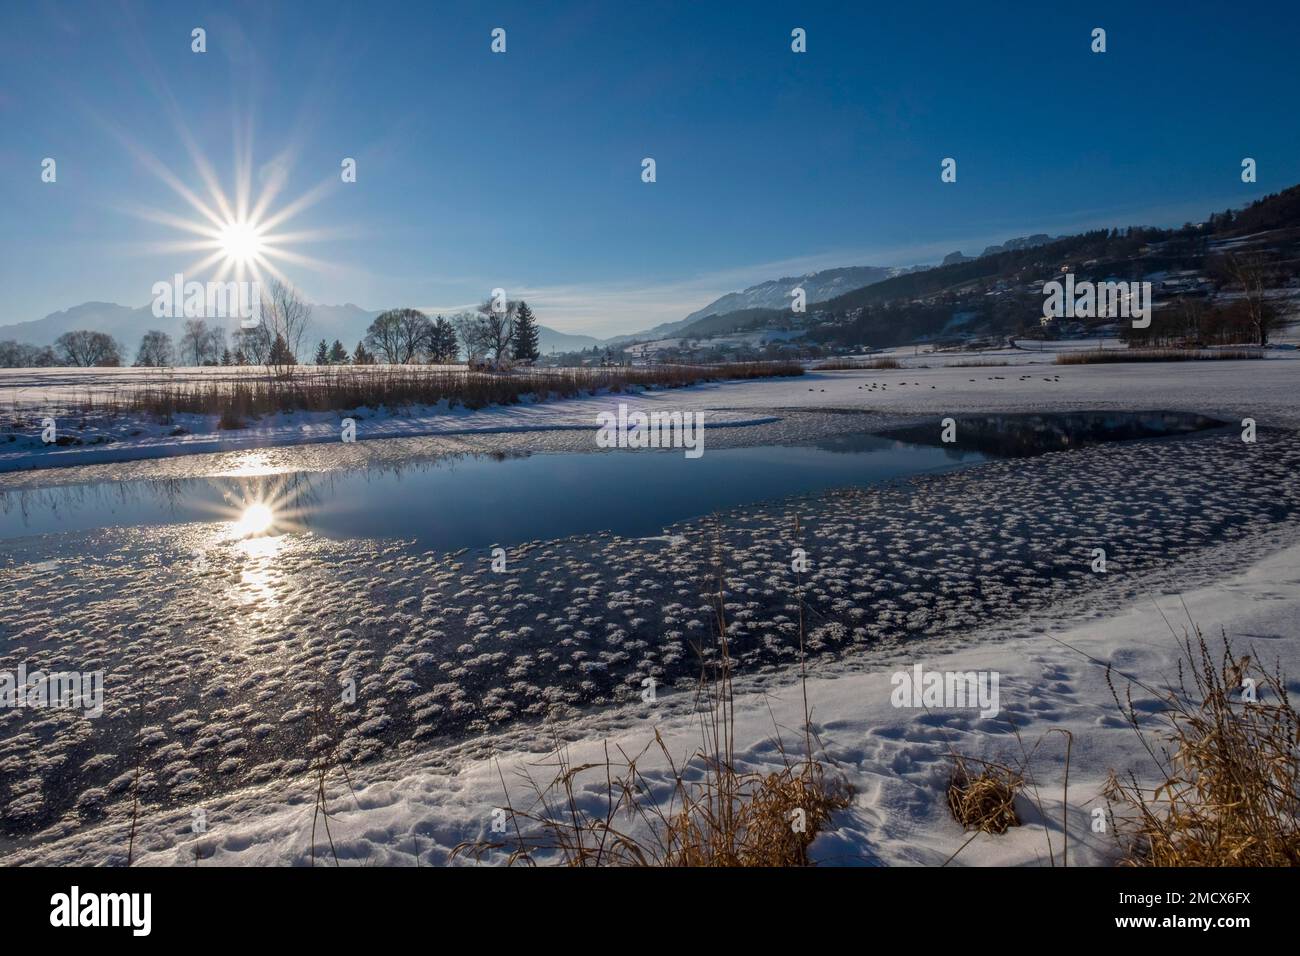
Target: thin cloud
620, 308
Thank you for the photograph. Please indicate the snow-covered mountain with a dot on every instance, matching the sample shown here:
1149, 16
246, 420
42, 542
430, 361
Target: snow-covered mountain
775, 294
549, 340
122, 322
817, 286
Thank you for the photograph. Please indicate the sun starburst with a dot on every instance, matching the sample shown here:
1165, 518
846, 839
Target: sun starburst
241, 243
240, 236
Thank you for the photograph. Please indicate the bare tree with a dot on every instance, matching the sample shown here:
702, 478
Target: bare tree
415, 329
1251, 271
399, 335
498, 328
285, 317
194, 341
86, 348
473, 330
384, 339
253, 344
155, 350
215, 345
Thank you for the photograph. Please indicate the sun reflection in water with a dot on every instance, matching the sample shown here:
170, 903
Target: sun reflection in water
256, 519
253, 547
259, 545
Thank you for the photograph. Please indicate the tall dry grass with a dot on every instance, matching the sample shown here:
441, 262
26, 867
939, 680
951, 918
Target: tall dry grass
1103, 356
237, 398
237, 393
1229, 766
843, 365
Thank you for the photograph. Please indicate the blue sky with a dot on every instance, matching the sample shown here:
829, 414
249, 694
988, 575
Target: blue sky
523, 170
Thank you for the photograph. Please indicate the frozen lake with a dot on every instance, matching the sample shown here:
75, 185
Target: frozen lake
473, 501
224, 652
478, 500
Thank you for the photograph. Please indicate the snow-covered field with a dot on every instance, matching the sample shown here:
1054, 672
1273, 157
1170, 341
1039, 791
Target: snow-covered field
214, 669
1260, 389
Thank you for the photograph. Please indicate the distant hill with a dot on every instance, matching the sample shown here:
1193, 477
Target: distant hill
773, 294
738, 321
817, 287
999, 293
1014, 245
120, 321
1011, 245
549, 340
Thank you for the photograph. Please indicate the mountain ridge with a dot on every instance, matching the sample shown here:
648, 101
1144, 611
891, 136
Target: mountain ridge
775, 294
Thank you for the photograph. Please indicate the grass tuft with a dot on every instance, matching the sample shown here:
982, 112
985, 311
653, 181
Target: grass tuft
984, 801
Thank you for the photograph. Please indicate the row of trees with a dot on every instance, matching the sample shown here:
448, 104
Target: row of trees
82, 348
403, 336
498, 333
275, 342
21, 355
1194, 321
204, 345
1248, 313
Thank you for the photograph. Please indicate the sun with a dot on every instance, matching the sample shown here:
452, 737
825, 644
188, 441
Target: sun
241, 243
240, 235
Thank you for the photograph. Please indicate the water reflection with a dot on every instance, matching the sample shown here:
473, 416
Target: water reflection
261, 574
473, 500
1023, 435
256, 519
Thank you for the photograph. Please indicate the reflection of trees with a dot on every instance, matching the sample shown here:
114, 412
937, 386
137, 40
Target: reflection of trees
67, 498
853, 443
1022, 435
447, 460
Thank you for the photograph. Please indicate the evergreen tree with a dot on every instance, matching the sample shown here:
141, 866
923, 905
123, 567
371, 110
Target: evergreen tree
444, 347
225, 356
338, 354
526, 349
281, 354
361, 356
322, 354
